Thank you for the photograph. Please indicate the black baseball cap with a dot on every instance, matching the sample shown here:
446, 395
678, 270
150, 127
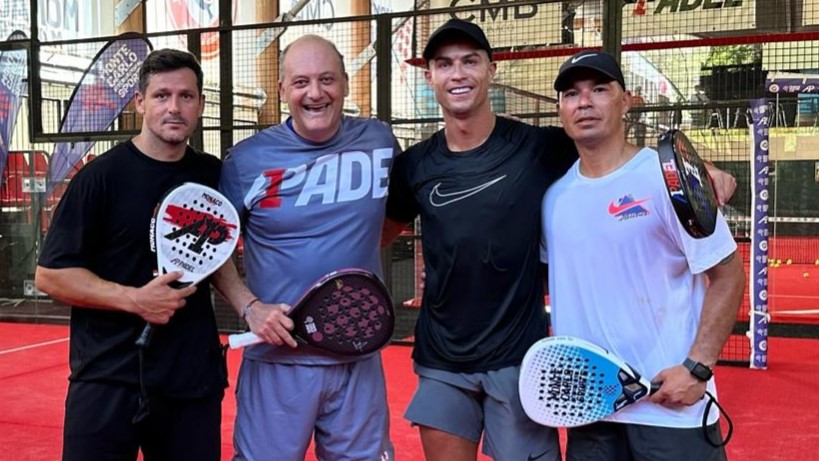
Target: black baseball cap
455, 28
598, 61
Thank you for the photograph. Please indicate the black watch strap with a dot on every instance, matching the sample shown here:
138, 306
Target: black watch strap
698, 370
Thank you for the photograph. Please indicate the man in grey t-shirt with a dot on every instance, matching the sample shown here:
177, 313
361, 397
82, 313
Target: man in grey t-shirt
312, 192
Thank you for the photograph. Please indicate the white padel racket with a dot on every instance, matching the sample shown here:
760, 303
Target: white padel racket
194, 230
568, 382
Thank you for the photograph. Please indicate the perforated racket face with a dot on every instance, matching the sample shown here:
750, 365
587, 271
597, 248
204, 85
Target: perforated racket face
688, 184
567, 382
347, 312
195, 230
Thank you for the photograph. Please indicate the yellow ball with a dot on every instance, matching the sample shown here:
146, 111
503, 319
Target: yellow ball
805, 275
816, 262
789, 261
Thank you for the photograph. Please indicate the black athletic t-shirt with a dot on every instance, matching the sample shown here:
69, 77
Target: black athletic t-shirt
480, 230
101, 224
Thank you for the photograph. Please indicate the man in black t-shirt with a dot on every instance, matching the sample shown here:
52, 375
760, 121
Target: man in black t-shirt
165, 400
477, 186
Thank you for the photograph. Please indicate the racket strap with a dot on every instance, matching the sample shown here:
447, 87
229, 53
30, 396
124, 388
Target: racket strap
144, 408
727, 438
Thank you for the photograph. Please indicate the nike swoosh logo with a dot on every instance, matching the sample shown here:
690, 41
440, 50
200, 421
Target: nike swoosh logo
578, 58
615, 209
452, 197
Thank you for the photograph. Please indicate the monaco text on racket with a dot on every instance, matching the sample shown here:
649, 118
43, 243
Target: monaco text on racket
211, 199
152, 235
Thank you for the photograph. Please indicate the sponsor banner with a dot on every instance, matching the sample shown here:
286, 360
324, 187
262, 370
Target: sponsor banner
789, 83
13, 73
758, 291
507, 24
103, 92
653, 18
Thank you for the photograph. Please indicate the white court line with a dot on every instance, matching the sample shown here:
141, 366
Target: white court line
32, 346
797, 312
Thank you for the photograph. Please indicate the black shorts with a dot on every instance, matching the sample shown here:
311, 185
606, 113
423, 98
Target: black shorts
632, 442
99, 426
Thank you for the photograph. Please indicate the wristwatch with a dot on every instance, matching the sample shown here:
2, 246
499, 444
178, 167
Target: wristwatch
699, 370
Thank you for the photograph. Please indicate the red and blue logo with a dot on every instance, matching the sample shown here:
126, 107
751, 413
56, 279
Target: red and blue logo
628, 208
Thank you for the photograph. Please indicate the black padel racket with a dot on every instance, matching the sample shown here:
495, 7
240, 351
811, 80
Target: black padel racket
347, 312
194, 230
688, 184
568, 382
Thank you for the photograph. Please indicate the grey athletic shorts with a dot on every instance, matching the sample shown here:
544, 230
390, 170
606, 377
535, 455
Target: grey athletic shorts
632, 442
280, 407
470, 404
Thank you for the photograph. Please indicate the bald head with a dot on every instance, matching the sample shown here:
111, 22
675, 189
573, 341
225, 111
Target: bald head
313, 84
308, 42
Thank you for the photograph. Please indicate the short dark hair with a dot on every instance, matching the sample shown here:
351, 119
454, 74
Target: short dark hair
167, 60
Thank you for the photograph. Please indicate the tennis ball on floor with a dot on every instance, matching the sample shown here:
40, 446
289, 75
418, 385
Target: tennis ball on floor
805, 274
789, 261
816, 262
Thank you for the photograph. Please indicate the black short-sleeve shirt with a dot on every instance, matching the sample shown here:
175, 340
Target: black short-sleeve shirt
480, 231
101, 224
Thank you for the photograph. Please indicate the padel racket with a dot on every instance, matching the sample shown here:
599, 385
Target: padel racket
347, 312
568, 382
688, 184
194, 230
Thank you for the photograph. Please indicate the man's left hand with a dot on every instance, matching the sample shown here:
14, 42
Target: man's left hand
724, 183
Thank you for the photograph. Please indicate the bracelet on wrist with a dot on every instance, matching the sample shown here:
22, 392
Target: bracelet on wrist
246, 309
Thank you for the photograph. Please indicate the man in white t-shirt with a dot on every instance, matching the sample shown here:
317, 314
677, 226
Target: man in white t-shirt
624, 274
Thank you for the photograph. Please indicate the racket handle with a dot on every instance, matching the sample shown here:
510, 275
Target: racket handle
655, 386
145, 337
240, 340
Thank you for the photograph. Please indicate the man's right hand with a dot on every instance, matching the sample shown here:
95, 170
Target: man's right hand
157, 301
271, 323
